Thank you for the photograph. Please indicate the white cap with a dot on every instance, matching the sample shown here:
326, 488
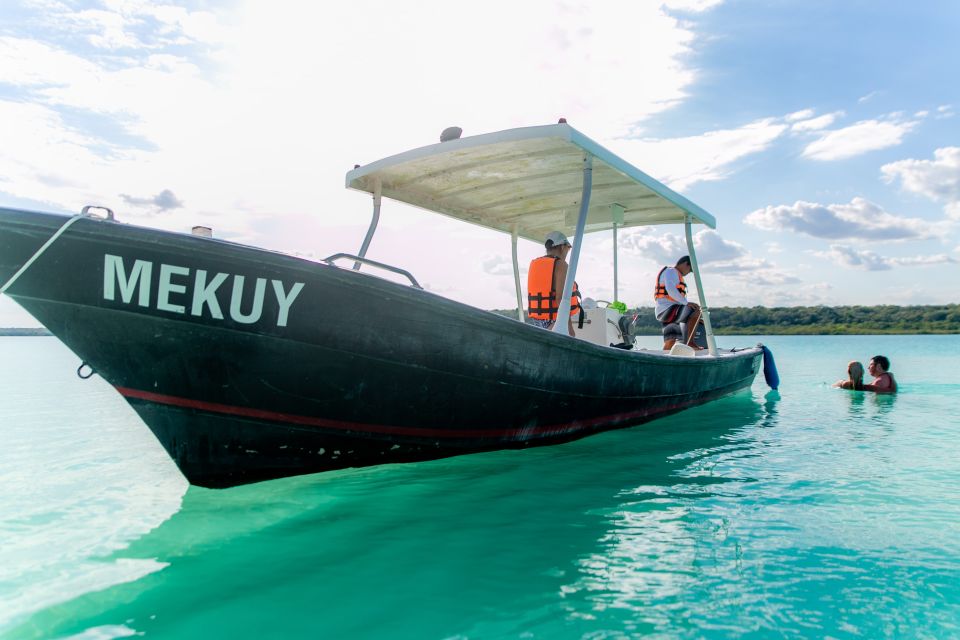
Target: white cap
556, 238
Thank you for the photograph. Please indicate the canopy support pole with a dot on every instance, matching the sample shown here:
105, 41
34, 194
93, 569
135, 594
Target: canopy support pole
516, 273
616, 297
711, 342
563, 311
616, 214
373, 223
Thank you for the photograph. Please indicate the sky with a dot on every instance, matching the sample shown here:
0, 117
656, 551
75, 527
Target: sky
823, 136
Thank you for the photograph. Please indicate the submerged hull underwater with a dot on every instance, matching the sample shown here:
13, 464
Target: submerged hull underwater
249, 365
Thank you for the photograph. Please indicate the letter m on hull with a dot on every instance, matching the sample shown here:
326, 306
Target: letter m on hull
115, 275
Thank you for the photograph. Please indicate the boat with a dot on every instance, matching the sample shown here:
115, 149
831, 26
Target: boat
249, 364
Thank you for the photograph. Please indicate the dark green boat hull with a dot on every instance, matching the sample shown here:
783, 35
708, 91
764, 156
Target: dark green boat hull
248, 377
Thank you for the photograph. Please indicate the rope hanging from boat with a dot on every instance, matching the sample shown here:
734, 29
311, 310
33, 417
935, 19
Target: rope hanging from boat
39, 252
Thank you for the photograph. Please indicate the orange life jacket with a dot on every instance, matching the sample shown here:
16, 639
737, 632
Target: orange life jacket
542, 298
660, 291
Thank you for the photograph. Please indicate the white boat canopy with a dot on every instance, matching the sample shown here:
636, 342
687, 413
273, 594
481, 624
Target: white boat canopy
526, 181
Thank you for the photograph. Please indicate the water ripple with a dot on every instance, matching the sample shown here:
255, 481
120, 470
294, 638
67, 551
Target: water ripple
814, 512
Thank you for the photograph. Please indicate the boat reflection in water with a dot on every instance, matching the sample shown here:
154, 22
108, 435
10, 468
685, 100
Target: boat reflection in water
569, 527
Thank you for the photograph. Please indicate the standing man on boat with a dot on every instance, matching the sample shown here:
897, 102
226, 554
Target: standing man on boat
670, 297
545, 281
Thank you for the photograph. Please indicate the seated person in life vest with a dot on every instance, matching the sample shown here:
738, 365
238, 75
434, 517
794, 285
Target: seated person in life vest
883, 381
670, 298
545, 284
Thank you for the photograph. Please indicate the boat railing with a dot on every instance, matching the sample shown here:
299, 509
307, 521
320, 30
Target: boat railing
373, 263
86, 211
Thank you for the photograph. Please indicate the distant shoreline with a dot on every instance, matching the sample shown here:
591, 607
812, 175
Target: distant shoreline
728, 331
776, 321
33, 331
814, 321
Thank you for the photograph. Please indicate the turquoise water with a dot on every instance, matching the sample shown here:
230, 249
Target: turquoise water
820, 513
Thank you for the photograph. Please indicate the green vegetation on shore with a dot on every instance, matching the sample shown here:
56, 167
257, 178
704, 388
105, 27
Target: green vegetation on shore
828, 320
816, 320
770, 321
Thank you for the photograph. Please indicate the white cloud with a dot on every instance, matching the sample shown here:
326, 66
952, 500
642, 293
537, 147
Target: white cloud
108, 30
662, 249
666, 248
860, 219
497, 265
163, 201
850, 257
693, 6
847, 256
718, 258
924, 261
746, 265
803, 114
40, 149
135, 24
857, 139
937, 179
185, 25
682, 162
299, 96
711, 247
770, 278
251, 115
807, 295
28, 63
868, 97
815, 124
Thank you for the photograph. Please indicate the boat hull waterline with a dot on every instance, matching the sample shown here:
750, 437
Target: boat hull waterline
250, 365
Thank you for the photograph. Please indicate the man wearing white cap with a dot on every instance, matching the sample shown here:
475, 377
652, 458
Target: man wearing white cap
545, 281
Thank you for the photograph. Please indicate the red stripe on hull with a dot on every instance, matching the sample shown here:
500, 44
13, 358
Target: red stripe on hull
516, 434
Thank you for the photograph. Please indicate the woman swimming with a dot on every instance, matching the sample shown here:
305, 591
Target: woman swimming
855, 380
